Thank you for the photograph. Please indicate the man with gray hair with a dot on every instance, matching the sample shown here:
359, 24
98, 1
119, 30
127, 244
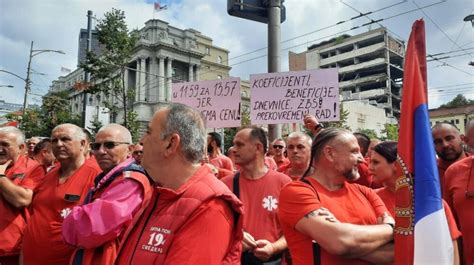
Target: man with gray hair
63, 187
299, 154
122, 188
192, 217
16, 191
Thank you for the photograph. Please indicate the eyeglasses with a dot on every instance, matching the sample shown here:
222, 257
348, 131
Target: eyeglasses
138, 152
276, 146
108, 145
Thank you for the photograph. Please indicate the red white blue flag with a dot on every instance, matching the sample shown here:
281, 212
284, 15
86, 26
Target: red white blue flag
422, 234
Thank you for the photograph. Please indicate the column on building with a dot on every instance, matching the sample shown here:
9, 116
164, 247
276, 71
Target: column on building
191, 72
137, 80
161, 78
143, 82
196, 76
169, 75
152, 86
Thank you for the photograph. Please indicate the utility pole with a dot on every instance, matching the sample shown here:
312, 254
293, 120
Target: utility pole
87, 77
27, 81
33, 53
274, 65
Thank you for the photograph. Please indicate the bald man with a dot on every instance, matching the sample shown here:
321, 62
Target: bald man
448, 147
63, 187
96, 227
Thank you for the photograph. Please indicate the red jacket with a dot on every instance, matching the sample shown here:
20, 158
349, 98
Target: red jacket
176, 209
12, 219
106, 254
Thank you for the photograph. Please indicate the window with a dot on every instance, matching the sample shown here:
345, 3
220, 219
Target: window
219, 77
219, 59
208, 50
457, 121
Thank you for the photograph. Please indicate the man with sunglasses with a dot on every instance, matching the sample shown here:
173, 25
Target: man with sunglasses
459, 194
192, 217
64, 187
279, 148
97, 226
138, 153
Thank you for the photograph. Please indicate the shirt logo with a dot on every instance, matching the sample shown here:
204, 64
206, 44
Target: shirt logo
270, 203
156, 240
65, 212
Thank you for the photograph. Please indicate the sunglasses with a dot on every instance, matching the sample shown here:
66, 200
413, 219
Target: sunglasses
138, 152
108, 145
278, 146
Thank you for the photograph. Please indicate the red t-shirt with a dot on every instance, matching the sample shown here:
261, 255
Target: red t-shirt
42, 241
222, 161
388, 197
444, 165
261, 200
352, 203
459, 178
282, 164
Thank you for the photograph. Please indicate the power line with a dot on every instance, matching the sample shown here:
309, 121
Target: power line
438, 27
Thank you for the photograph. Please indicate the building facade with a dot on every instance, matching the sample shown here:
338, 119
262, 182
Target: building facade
458, 116
163, 55
370, 66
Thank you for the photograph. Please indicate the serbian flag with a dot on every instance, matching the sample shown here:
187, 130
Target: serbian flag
422, 234
158, 7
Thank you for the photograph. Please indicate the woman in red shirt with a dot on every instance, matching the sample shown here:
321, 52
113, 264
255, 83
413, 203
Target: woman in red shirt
383, 168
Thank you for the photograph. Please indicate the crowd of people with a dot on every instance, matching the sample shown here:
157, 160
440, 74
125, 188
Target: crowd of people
323, 197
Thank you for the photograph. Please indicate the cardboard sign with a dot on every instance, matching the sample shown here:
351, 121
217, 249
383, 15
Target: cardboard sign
286, 97
217, 100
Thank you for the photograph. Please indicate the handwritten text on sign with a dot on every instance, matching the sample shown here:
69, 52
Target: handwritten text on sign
288, 96
217, 100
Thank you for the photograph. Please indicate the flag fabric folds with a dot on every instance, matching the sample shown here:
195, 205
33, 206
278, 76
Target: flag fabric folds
422, 234
159, 7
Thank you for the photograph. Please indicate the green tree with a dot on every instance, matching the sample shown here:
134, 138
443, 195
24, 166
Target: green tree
342, 122
108, 69
56, 110
229, 133
391, 132
96, 124
457, 101
133, 125
369, 132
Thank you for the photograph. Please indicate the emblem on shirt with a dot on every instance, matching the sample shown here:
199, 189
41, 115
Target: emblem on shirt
65, 212
270, 203
156, 240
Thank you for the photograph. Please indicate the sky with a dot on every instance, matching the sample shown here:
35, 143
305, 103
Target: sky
55, 25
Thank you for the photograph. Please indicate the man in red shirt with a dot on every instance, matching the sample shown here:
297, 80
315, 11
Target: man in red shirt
137, 153
16, 192
299, 154
216, 158
259, 189
313, 235
448, 146
63, 187
279, 148
43, 154
192, 217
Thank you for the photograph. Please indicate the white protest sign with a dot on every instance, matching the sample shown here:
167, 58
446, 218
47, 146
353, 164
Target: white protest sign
286, 97
217, 100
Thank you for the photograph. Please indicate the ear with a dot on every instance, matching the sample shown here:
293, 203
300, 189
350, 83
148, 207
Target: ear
328, 152
22, 146
131, 147
83, 144
173, 144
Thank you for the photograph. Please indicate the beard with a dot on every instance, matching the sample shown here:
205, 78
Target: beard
450, 154
351, 174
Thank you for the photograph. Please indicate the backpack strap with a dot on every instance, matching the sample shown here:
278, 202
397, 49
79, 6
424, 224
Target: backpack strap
235, 185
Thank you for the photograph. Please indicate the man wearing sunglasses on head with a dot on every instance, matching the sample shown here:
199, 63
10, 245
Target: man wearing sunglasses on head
63, 187
97, 226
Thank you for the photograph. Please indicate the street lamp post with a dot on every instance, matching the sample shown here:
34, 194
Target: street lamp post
33, 53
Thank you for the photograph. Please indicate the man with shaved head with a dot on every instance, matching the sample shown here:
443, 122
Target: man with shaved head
16, 192
96, 227
63, 187
448, 146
